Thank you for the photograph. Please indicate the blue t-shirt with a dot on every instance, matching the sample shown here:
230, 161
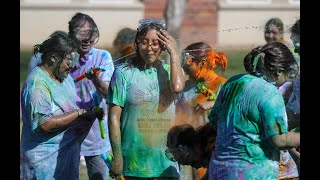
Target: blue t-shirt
53, 154
247, 112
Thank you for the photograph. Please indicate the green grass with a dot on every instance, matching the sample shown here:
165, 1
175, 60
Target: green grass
235, 66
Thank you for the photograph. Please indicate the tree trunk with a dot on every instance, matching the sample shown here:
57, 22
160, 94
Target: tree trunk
173, 14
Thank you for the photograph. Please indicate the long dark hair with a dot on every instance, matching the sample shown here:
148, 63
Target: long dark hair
186, 135
276, 57
57, 45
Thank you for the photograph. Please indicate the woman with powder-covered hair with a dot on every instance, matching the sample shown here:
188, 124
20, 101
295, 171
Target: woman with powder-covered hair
250, 118
53, 124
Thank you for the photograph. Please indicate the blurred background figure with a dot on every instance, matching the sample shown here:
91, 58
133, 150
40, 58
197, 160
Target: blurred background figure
124, 45
274, 31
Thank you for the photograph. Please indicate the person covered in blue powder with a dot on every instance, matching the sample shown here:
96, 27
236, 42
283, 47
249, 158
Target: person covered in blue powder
251, 120
141, 106
293, 105
53, 124
84, 31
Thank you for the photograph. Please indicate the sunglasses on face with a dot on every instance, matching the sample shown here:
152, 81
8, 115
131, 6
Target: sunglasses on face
144, 23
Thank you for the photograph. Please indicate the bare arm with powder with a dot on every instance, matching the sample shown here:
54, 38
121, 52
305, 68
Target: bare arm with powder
58, 121
115, 140
176, 74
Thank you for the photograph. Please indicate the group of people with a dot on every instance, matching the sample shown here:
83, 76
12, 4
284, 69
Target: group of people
156, 116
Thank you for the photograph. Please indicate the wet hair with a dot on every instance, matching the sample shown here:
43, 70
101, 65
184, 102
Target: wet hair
59, 32
78, 20
295, 29
124, 41
140, 34
277, 58
277, 22
57, 45
181, 135
203, 52
186, 135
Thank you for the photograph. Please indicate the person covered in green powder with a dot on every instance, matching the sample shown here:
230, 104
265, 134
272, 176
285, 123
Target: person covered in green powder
250, 117
141, 106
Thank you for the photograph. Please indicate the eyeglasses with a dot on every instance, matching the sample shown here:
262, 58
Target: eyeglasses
144, 44
144, 23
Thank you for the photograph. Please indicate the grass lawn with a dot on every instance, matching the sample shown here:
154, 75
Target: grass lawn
235, 66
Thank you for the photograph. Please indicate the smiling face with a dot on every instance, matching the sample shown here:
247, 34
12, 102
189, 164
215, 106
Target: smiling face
86, 37
272, 33
149, 46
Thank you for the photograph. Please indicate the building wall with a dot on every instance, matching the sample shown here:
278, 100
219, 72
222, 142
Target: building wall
241, 25
221, 23
228, 23
38, 19
199, 22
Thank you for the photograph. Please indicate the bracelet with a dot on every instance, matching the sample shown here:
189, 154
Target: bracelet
78, 112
